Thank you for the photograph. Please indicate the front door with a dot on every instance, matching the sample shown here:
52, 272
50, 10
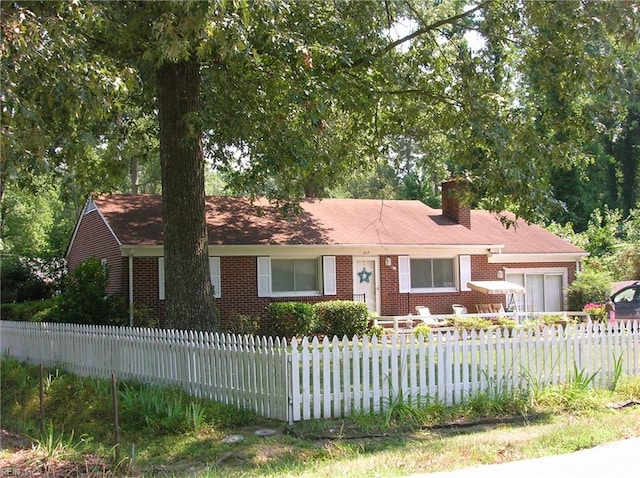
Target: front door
365, 281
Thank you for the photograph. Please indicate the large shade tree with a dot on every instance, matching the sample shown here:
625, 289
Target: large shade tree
288, 96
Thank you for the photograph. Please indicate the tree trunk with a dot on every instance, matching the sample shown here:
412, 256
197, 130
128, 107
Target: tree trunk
133, 174
188, 292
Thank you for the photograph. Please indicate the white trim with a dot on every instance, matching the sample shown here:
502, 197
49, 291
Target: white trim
329, 275
302, 251
464, 266
404, 274
215, 276
524, 258
130, 291
160, 278
90, 206
264, 276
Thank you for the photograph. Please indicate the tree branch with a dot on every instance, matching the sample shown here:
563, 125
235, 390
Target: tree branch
418, 92
420, 31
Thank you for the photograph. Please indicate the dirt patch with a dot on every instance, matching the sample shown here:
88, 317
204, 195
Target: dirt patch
20, 457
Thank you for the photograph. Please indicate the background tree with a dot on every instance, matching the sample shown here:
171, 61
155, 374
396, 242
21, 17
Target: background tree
289, 98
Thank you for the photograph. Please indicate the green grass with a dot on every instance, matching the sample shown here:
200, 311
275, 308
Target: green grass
165, 432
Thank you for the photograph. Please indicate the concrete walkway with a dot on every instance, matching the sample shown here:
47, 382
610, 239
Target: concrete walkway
619, 459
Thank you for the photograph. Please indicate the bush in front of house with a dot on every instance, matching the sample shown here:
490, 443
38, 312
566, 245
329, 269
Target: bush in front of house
84, 298
242, 324
590, 286
342, 317
291, 319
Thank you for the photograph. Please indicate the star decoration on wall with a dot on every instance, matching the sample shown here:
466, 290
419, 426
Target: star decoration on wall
364, 275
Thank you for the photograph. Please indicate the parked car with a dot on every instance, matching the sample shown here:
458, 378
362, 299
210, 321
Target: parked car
627, 302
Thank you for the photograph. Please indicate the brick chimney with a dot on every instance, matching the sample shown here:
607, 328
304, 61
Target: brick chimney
452, 205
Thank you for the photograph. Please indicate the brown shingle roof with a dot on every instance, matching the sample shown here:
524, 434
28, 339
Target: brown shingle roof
137, 220
522, 239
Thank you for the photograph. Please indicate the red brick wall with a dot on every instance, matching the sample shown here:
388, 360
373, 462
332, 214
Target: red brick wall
239, 287
395, 303
94, 239
240, 294
146, 290
451, 203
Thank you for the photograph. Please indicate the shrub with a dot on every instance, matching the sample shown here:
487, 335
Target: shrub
291, 319
34, 311
589, 286
504, 322
376, 330
242, 324
342, 317
472, 323
84, 297
553, 319
423, 329
20, 282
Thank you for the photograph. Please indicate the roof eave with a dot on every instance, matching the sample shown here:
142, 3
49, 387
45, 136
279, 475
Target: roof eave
537, 257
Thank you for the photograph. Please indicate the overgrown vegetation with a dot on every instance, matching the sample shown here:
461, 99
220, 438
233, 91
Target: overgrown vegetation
166, 431
83, 299
613, 244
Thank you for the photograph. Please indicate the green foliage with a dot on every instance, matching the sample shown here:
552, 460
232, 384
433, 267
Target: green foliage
422, 329
376, 331
617, 370
36, 311
552, 319
57, 446
20, 282
83, 406
84, 298
505, 322
291, 319
242, 324
342, 318
471, 323
589, 286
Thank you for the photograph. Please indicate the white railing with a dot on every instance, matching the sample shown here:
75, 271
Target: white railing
304, 379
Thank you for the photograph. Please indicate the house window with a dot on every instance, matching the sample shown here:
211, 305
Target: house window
432, 273
296, 277
420, 275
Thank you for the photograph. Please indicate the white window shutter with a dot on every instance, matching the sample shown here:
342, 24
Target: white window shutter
214, 272
465, 272
329, 275
264, 276
404, 274
161, 278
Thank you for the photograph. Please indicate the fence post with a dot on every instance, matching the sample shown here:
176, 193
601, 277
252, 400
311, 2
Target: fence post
288, 377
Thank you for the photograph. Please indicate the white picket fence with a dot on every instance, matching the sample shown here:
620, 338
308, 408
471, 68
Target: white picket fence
306, 379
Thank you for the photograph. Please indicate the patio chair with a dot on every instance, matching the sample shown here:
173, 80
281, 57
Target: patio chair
484, 308
426, 318
459, 309
497, 308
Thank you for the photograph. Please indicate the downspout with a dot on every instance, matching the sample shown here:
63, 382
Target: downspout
130, 289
